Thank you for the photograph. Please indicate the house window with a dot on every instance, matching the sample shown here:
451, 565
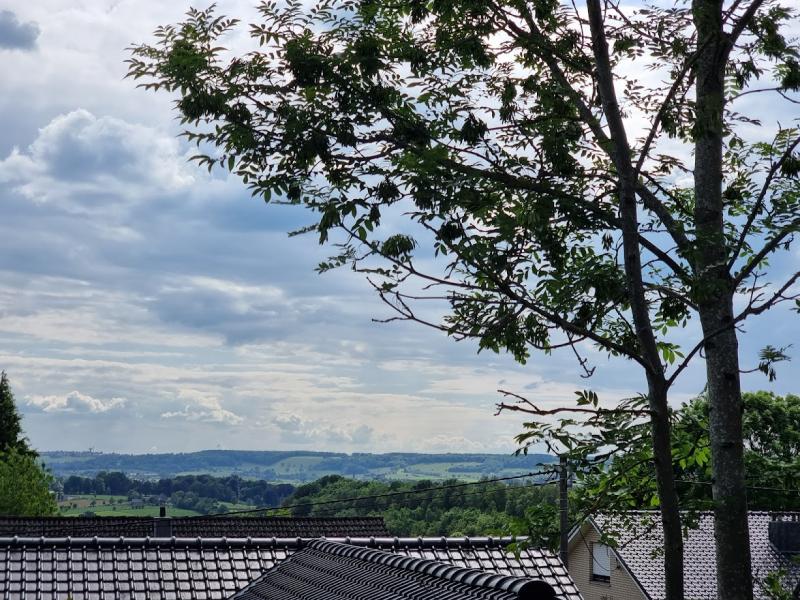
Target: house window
601, 562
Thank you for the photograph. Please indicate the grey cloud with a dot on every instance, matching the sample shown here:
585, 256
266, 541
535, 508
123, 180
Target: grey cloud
15, 35
249, 311
239, 313
363, 434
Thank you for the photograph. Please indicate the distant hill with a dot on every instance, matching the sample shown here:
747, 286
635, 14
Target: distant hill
296, 466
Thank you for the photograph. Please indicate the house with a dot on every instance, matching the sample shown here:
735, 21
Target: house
204, 526
96, 568
324, 570
634, 569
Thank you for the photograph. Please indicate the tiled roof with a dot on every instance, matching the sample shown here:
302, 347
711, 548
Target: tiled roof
75, 526
206, 568
262, 527
326, 570
640, 542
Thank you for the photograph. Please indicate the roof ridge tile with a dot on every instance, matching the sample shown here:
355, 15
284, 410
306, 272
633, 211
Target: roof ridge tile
464, 575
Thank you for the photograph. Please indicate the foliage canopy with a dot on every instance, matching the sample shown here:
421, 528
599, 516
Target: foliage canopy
10, 422
24, 486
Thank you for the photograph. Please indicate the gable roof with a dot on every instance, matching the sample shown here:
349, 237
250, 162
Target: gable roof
325, 570
640, 542
216, 568
206, 526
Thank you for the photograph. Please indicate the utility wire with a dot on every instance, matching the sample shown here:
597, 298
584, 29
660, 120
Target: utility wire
352, 499
372, 496
749, 487
404, 501
357, 499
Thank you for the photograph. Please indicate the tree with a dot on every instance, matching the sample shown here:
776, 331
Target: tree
771, 430
543, 216
10, 422
24, 486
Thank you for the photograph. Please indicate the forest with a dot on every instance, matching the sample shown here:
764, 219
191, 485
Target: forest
201, 493
431, 509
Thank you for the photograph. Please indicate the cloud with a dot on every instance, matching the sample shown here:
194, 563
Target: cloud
202, 407
239, 312
15, 35
75, 402
248, 313
457, 443
296, 429
97, 158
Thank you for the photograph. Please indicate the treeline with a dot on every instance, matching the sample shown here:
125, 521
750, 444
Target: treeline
194, 492
483, 509
167, 465
300, 465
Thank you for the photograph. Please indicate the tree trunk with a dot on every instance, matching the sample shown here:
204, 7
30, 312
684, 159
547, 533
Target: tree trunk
667, 494
640, 310
714, 294
734, 578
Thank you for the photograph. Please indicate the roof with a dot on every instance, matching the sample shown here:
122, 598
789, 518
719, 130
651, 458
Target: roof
640, 542
326, 570
209, 526
215, 568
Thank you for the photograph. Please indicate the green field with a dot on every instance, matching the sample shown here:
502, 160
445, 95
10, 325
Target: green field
115, 506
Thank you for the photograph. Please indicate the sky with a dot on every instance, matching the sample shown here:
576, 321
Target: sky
149, 306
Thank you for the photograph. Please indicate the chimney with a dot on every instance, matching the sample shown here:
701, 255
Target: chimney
784, 535
162, 524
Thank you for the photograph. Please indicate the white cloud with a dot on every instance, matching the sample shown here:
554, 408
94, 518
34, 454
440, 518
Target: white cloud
96, 161
296, 429
202, 407
75, 402
458, 443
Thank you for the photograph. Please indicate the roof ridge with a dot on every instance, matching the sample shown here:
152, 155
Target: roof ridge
4, 518
655, 511
522, 587
276, 518
418, 542
179, 518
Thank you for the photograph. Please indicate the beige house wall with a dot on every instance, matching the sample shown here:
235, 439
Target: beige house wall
620, 587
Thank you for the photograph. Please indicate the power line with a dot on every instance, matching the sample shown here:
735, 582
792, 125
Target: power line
748, 487
404, 501
373, 496
352, 499
361, 499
